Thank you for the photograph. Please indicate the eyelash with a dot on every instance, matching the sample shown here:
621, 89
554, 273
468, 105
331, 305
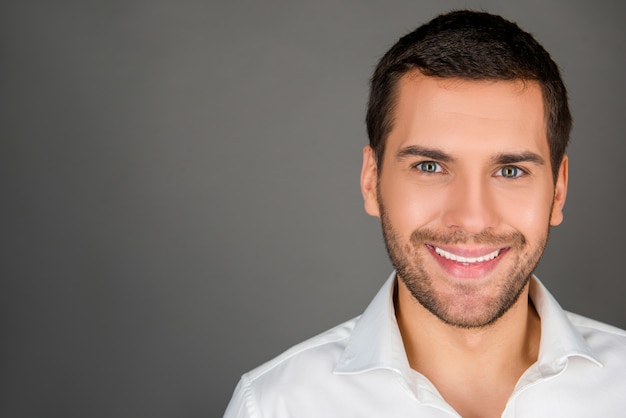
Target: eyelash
519, 172
420, 166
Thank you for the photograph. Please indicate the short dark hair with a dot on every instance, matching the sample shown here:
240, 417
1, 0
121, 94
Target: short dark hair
469, 45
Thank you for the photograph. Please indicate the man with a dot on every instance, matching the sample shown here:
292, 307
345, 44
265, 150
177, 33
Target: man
466, 168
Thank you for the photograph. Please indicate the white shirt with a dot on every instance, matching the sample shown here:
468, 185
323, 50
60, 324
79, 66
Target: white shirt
360, 369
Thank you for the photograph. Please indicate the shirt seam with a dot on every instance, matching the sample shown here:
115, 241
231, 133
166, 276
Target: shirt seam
600, 329
248, 394
272, 364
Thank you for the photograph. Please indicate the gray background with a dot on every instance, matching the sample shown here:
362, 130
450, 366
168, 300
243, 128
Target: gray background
180, 196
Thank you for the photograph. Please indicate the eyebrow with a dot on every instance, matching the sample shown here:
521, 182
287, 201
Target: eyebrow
513, 158
417, 151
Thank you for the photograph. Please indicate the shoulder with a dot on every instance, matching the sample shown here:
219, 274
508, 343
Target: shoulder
321, 351
604, 339
591, 326
291, 377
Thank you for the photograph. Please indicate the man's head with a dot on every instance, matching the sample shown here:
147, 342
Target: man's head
470, 46
474, 130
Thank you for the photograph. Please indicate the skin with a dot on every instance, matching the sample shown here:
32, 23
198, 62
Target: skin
466, 169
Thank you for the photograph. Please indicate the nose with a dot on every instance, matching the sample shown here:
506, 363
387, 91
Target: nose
470, 206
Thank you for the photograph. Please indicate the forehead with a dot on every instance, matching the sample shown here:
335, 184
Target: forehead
449, 113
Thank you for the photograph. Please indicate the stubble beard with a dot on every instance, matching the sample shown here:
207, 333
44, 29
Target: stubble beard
476, 311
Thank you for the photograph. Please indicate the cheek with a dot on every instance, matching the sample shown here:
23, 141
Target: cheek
410, 206
528, 211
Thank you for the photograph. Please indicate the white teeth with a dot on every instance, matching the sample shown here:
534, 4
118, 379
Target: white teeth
466, 260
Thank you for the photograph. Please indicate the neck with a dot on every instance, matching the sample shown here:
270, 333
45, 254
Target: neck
498, 353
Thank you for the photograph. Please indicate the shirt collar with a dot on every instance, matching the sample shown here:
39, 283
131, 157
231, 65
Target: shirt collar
559, 337
376, 342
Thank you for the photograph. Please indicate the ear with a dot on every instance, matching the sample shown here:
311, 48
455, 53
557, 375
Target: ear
369, 180
560, 192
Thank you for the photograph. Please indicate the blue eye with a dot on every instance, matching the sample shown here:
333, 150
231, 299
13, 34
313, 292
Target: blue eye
510, 172
429, 167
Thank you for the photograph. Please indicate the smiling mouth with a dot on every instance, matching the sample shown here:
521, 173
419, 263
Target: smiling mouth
466, 260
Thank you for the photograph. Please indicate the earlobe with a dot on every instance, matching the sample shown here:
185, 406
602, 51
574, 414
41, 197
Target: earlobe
560, 192
369, 180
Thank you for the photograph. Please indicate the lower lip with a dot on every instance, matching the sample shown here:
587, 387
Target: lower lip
465, 270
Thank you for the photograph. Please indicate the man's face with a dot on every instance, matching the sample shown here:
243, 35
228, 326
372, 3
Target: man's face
465, 193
